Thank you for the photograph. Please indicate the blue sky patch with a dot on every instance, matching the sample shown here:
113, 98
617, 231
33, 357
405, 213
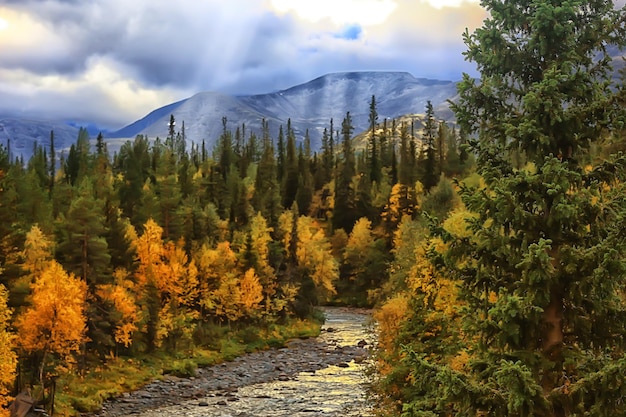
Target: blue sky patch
350, 32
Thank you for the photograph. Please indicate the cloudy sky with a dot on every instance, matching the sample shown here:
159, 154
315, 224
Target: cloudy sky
113, 61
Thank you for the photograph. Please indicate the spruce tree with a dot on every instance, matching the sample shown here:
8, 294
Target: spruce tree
53, 161
344, 214
430, 169
266, 197
542, 275
290, 180
280, 155
375, 154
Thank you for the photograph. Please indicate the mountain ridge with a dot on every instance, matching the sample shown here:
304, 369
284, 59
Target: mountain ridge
310, 106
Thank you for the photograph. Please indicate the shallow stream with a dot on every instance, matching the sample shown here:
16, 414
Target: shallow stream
325, 376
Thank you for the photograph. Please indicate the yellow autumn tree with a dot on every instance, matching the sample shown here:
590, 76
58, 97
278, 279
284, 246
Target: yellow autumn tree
285, 225
167, 287
218, 276
38, 251
314, 255
213, 264
178, 288
402, 201
149, 249
54, 325
260, 239
226, 298
125, 315
8, 358
251, 292
389, 317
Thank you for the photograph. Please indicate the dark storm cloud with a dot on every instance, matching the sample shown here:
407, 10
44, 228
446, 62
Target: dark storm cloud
155, 50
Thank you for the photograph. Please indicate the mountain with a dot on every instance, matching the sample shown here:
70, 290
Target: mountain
309, 106
20, 135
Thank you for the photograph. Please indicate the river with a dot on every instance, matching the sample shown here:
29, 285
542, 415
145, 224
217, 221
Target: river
323, 376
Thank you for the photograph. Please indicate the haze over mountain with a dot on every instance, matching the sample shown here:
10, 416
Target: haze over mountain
309, 106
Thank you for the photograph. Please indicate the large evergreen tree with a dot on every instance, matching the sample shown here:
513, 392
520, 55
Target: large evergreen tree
374, 162
430, 168
344, 214
266, 197
542, 275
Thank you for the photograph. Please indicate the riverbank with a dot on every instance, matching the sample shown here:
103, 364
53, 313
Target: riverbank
342, 345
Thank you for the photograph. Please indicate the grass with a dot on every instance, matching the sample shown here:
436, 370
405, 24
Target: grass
81, 394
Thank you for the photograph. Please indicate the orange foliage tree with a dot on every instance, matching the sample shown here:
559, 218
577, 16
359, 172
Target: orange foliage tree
54, 325
251, 292
177, 284
167, 287
8, 358
314, 255
125, 313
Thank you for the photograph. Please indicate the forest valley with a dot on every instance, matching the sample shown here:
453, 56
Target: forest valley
492, 250
160, 248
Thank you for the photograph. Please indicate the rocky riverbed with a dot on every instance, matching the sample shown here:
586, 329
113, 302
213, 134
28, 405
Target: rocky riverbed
317, 376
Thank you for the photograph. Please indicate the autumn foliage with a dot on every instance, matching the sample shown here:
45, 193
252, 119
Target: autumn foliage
54, 326
165, 246
8, 358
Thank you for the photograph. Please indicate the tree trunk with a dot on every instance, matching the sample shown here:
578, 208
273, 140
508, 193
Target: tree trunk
552, 346
552, 337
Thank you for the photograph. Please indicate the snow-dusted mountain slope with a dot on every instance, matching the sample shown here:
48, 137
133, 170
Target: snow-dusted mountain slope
20, 135
309, 106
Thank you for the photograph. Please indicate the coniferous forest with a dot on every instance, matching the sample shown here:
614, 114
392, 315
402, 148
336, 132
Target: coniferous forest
492, 249
158, 248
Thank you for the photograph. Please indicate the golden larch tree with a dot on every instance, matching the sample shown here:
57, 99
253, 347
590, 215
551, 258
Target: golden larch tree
251, 292
54, 325
121, 295
8, 358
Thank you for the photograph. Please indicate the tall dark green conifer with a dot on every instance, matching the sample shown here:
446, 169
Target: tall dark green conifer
280, 155
134, 164
53, 162
290, 181
344, 214
430, 168
542, 275
374, 157
266, 198
304, 196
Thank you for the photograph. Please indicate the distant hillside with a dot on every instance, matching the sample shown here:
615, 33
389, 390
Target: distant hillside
20, 135
309, 106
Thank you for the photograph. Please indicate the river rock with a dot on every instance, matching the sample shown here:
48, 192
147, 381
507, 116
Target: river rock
290, 366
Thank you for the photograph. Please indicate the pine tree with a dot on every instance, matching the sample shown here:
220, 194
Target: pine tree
344, 214
168, 194
542, 272
266, 198
84, 252
406, 167
53, 161
83, 247
171, 133
280, 155
375, 153
133, 163
290, 181
430, 169
304, 196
